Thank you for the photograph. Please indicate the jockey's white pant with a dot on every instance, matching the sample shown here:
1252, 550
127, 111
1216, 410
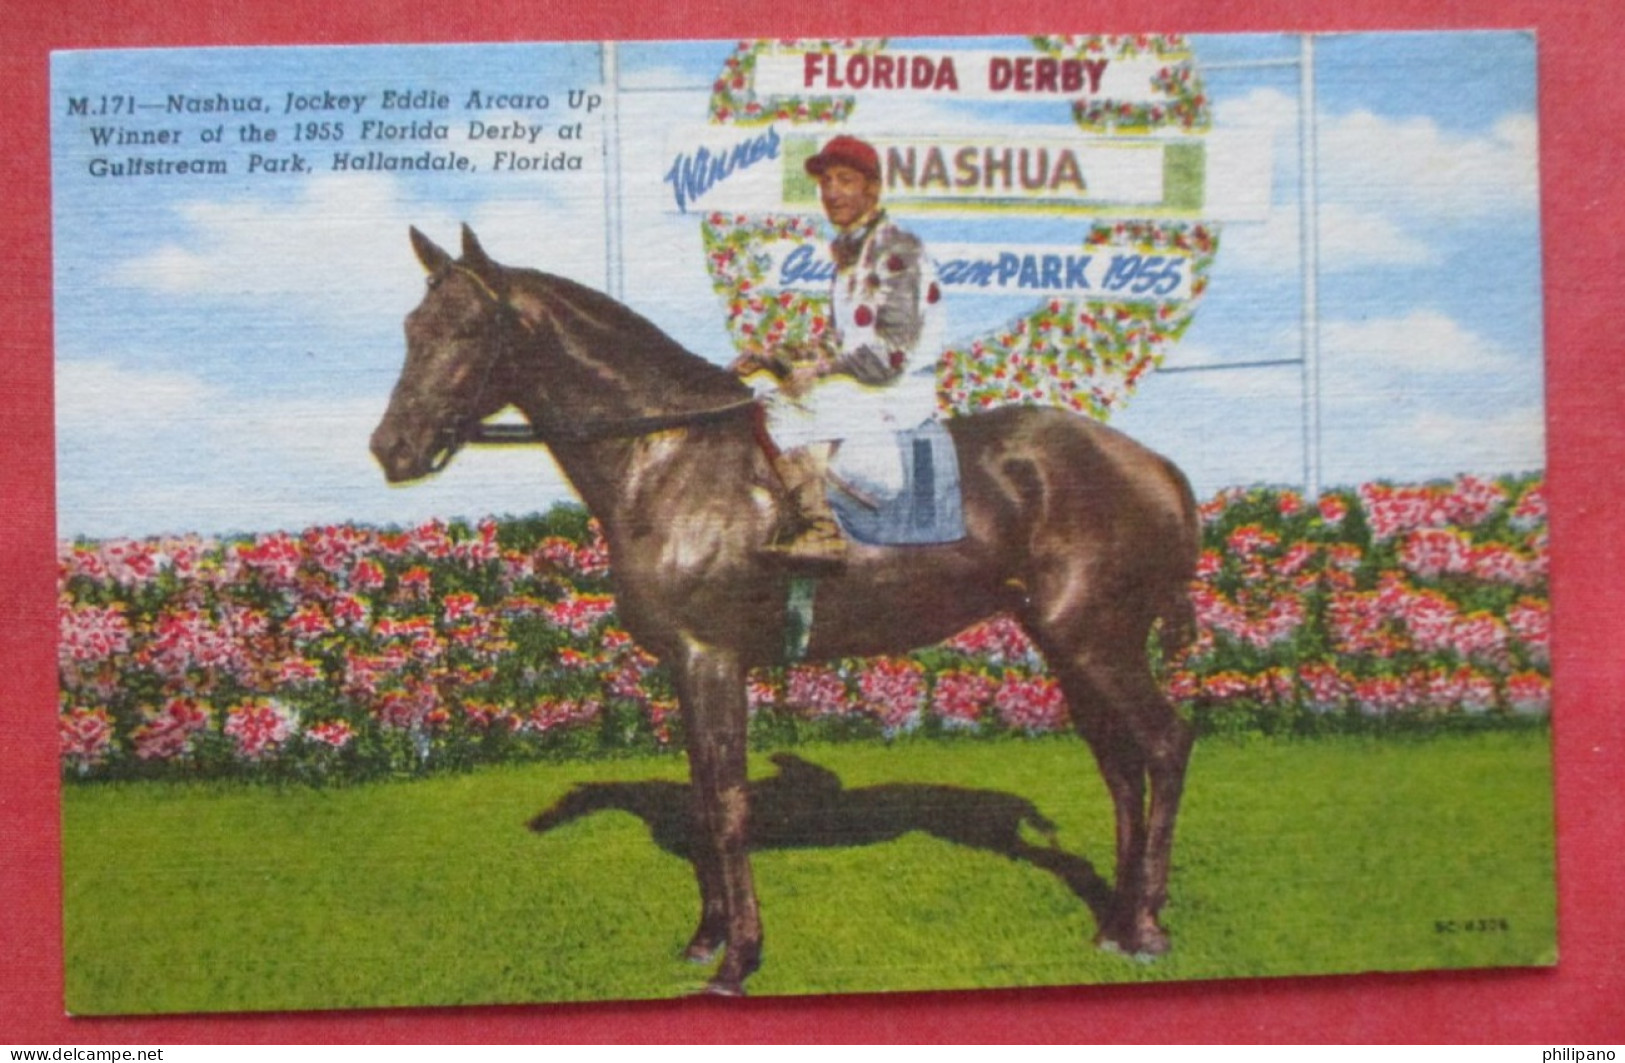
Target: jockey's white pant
864, 418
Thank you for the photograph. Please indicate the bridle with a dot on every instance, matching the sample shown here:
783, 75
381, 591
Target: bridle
472, 430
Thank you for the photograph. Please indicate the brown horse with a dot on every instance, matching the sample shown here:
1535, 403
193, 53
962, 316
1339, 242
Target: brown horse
1086, 537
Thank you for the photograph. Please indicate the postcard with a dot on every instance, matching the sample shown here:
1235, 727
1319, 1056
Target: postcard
598, 521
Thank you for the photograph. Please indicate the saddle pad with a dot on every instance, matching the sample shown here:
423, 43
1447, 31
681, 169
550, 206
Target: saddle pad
927, 508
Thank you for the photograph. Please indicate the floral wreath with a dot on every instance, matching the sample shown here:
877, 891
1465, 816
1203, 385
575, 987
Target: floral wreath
1082, 354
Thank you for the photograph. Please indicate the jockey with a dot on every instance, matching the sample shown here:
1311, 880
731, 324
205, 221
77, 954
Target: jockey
874, 372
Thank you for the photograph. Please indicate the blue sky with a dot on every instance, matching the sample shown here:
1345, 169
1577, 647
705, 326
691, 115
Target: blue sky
225, 345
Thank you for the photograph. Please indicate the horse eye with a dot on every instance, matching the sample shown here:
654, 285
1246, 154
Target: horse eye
433, 280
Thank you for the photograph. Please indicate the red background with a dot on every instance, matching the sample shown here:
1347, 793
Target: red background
1582, 110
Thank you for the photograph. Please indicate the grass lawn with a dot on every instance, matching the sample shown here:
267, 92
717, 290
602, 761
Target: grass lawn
877, 867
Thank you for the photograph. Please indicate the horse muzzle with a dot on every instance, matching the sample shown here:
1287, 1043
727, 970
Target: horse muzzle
405, 457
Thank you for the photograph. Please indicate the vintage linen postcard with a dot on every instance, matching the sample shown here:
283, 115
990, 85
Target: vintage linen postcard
549, 522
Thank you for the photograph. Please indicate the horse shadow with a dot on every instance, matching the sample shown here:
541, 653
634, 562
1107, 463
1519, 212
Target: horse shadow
806, 806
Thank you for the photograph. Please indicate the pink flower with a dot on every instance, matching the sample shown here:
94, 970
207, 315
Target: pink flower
460, 606
960, 697
1250, 539
1000, 640
485, 715
1326, 686
1033, 704
168, 732
1502, 564
349, 610
578, 615
894, 689
760, 693
1461, 688
1183, 685
1480, 636
817, 690
259, 727
307, 623
1530, 509
432, 540
275, 557
552, 713
367, 575
1474, 500
185, 639
1391, 511
130, 563
1296, 559
1433, 552
1383, 695
85, 736
1530, 620
333, 733
407, 709
90, 633
416, 583
1529, 693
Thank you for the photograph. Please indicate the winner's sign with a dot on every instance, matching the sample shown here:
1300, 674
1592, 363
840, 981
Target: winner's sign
1107, 146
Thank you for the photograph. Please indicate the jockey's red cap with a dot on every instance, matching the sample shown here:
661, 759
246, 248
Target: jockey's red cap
847, 151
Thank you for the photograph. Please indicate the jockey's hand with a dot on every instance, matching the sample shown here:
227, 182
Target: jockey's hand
757, 362
746, 364
800, 380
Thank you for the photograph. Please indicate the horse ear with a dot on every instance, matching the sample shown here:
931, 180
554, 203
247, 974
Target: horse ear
474, 256
431, 254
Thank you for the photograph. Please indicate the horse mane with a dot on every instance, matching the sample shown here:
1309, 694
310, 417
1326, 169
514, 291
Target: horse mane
623, 351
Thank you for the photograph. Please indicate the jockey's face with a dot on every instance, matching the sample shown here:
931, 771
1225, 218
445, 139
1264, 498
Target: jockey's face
848, 195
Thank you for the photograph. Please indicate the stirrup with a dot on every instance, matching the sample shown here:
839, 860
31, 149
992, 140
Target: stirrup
818, 542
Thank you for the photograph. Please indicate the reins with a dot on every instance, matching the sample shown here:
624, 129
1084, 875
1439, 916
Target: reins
478, 433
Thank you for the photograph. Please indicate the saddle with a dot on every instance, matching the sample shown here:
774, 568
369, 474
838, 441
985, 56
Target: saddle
898, 489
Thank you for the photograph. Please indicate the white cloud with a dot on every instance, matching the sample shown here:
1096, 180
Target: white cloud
340, 247
1407, 163
340, 244
1353, 239
1350, 239
103, 396
1512, 439
1377, 177
1359, 359
1269, 109
176, 455
1412, 164
1421, 341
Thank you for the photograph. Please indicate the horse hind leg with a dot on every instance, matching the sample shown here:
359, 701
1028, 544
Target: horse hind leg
1142, 747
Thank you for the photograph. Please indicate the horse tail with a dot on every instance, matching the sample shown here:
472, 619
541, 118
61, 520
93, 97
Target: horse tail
1176, 610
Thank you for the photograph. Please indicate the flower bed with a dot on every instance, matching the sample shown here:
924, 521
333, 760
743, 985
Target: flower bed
349, 652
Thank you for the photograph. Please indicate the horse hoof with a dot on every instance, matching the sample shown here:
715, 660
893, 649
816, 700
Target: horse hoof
716, 988
1146, 946
699, 953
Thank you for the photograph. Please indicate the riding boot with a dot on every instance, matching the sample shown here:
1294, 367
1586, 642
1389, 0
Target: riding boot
807, 530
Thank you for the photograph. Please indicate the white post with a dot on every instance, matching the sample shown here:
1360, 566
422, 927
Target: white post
614, 262
1309, 251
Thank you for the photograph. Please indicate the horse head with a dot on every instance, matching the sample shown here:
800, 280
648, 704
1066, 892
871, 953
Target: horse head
453, 378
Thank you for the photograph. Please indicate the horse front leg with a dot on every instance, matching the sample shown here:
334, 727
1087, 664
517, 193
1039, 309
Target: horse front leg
711, 689
712, 933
